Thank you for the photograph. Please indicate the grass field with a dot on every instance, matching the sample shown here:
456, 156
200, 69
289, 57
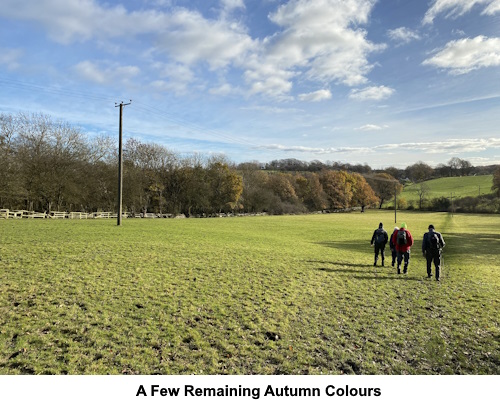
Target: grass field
252, 295
467, 186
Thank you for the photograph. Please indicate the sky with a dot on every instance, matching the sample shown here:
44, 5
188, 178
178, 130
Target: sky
384, 83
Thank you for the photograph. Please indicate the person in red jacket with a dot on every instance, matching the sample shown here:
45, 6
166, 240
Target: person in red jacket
403, 241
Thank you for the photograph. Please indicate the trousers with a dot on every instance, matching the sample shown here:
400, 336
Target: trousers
379, 249
433, 256
406, 257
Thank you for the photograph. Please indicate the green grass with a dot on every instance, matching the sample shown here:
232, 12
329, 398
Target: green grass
467, 186
209, 296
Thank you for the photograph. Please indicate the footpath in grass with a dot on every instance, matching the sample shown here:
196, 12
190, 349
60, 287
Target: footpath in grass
252, 295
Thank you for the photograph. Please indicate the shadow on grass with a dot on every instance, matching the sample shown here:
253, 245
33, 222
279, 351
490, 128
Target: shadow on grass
355, 245
378, 273
471, 244
457, 244
355, 265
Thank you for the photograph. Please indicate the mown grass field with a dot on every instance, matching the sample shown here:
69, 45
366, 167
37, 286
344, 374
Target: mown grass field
467, 186
253, 295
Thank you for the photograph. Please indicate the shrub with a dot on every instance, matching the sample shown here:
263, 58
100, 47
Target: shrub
440, 204
402, 203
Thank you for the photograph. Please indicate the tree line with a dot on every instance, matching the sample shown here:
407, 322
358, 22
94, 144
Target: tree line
52, 166
416, 172
48, 165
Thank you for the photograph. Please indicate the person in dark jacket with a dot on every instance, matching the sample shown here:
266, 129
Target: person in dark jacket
403, 241
392, 246
379, 238
432, 247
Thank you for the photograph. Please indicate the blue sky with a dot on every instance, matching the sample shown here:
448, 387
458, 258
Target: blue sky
384, 82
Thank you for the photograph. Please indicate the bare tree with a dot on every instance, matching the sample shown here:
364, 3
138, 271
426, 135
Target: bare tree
423, 190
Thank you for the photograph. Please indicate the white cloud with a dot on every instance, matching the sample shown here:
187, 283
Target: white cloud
493, 8
175, 78
371, 127
315, 96
105, 75
169, 86
269, 79
273, 109
67, 21
450, 146
224, 89
191, 39
371, 93
10, 58
321, 39
464, 55
402, 35
447, 146
458, 32
308, 149
457, 8
232, 4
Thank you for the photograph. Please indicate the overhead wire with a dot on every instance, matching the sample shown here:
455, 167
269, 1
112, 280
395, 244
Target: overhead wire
139, 106
184, 123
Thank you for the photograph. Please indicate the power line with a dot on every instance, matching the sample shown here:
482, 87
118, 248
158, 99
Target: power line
145, 108
16, 84
192, 126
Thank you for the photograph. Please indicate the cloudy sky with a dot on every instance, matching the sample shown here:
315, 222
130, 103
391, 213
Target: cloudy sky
385, 82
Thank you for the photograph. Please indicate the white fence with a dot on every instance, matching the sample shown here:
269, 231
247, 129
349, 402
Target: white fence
18, 214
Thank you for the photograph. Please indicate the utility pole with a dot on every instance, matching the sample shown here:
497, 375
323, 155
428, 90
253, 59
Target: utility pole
120, 164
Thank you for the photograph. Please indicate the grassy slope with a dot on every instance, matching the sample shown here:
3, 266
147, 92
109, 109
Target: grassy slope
208, 296
460, 186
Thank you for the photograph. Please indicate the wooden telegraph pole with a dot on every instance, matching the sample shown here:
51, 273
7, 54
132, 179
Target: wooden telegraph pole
120, 164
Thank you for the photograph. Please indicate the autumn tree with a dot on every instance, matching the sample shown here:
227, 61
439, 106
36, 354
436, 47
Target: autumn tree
362, 193
309, 190
336, 187
225, 184
384, 185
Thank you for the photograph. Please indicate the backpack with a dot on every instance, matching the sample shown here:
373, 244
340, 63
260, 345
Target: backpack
379, 237
433, 240
401, 237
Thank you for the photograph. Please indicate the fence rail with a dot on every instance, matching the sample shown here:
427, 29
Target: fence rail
18, 214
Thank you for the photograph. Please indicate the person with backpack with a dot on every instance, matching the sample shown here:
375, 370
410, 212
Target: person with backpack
432, 246
380, 238
392, 246
403, 241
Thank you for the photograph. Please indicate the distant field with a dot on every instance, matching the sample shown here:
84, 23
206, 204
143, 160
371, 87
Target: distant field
253, 295
460, 186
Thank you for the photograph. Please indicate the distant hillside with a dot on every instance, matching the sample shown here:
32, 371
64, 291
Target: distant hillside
443, 187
